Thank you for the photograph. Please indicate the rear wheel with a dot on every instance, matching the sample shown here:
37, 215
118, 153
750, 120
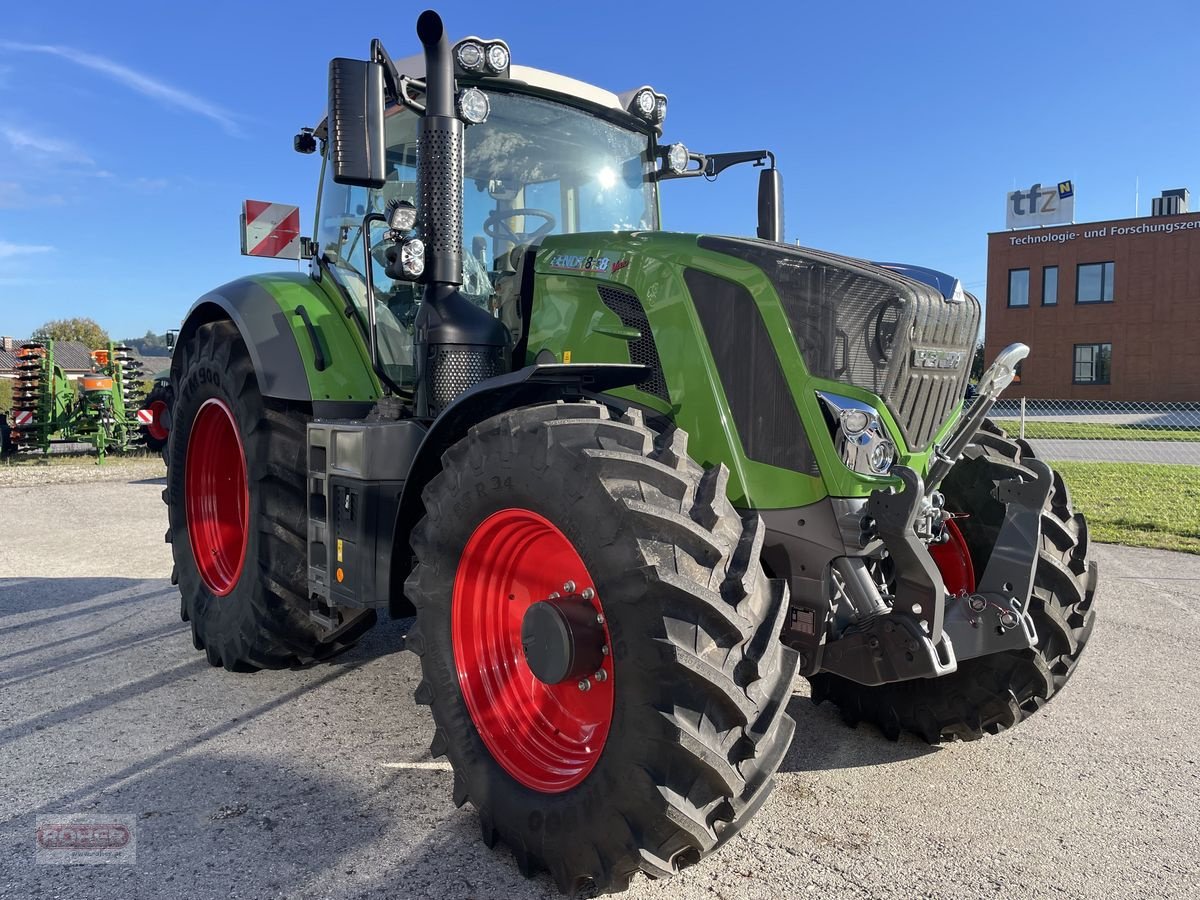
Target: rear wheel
988, 694
599, 644
235, 496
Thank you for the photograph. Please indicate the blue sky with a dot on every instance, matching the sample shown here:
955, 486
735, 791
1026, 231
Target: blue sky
131, 132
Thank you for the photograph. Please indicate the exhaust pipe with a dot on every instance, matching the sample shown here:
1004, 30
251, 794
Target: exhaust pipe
458, 343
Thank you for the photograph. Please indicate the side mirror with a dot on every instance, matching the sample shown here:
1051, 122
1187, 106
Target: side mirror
171, 336
770, 205
356, 149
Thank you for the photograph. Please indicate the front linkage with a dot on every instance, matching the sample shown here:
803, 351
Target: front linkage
926, 630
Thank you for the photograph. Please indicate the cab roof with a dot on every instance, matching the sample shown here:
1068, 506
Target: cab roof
414, 67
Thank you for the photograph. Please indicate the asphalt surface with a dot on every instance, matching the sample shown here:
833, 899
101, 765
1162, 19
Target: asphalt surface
318, 783
1173, 452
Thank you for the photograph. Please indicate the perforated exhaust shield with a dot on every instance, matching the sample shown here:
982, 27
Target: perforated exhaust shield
867, 326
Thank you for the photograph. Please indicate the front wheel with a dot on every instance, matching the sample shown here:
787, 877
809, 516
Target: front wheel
599, 644
988, 694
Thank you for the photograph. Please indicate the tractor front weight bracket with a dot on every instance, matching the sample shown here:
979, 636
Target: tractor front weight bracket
996, 617
907, 642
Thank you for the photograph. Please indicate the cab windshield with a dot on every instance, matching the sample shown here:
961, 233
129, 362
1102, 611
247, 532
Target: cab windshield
534, 168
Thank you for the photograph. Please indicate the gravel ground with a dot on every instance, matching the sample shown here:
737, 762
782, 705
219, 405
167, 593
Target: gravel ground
318, 783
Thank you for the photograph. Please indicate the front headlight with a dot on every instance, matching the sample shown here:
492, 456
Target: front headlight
861, 438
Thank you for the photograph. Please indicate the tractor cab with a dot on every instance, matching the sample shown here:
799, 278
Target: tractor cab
549, 155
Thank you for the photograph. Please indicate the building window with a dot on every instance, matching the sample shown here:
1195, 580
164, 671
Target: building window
1093, 363
1050, 286
1094, 282
1018, 287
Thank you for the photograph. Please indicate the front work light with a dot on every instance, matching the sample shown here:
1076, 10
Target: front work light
677, 158
497, 57
470, 56
473, 106
402, 216
412, 258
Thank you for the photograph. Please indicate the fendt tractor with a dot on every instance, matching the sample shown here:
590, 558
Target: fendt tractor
628, 482
100, 409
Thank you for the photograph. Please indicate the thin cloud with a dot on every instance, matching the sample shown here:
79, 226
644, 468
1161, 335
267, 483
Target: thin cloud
134, 80
31, 142
9, 250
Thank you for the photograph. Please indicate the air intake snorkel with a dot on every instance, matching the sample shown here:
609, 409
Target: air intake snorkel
458, 343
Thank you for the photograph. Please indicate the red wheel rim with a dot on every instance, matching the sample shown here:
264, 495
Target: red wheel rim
216, 498
546, 736
156, 429
953, 560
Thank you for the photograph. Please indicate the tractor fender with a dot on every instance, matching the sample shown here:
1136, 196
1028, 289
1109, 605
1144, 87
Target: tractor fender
524, 387
265, 328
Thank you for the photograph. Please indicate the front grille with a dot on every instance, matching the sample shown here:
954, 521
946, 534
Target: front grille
643, 350
859, 324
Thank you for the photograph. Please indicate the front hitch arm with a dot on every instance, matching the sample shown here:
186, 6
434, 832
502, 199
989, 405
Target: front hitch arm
908, 641
998, 376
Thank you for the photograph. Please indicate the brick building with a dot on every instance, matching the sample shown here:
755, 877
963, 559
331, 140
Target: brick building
1110, 310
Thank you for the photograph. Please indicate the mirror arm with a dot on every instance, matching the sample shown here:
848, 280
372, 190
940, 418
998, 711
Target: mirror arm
717, 163
372, 338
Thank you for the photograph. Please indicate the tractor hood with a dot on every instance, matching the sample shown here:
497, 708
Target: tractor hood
874, 327
906, 339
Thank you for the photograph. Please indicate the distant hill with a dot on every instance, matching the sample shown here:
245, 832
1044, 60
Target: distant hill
150, 344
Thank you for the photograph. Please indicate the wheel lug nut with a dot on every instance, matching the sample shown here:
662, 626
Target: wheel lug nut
599, 618
978, 603
584, 685
601, 675
1008, 620
604, 650
569, 587
588, 593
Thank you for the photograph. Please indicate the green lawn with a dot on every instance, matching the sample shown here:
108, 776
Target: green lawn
1140, 505
1097, 431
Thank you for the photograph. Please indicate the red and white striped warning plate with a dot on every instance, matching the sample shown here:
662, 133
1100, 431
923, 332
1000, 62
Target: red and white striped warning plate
270, 229
146, 416
22, 418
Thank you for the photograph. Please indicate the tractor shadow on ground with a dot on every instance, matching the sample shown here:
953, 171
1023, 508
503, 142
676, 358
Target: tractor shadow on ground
824, 741
162, 479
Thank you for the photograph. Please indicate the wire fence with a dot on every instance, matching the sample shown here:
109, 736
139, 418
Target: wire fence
1132, 468
1092, 431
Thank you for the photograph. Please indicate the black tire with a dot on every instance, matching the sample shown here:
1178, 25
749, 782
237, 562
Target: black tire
7, 446
263, 622
165, 393
989, 694
701, 679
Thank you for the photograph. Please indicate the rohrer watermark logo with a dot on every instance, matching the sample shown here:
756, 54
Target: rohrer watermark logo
85, 838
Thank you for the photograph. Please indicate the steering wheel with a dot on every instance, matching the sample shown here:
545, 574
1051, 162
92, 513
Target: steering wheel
496, 225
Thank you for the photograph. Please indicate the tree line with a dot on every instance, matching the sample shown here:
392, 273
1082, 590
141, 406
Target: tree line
89, 333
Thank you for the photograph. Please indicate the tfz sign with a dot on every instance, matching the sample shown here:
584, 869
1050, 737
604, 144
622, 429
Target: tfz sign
1041, 206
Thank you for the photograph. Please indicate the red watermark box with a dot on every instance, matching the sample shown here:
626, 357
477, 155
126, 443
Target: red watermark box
88, 838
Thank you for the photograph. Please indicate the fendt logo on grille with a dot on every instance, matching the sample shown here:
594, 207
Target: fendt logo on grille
936, 359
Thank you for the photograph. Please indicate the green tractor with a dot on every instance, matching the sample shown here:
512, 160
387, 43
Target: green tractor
628, 482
